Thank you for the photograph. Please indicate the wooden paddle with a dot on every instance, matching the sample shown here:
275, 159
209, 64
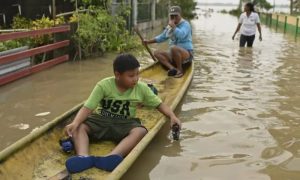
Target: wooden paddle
146, 46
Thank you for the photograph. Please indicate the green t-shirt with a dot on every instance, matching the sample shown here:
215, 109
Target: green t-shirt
106, 100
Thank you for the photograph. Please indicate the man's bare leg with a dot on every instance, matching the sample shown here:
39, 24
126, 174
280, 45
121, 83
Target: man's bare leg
164, 58
179, 55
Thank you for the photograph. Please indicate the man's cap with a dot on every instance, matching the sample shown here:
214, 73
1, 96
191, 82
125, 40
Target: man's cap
175, 10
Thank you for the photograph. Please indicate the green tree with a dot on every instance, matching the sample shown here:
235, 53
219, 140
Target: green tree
187, 6
101, 3
263, 4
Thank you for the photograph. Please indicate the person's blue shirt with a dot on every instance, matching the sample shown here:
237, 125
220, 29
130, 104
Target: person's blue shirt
180, 36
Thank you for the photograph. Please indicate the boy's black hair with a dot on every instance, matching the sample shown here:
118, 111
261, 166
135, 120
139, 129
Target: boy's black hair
125, 62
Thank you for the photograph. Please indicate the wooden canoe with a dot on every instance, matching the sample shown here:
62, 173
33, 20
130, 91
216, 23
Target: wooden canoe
38, 155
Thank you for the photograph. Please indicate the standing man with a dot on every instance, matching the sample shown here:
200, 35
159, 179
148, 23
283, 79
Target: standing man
179, 33
248, 21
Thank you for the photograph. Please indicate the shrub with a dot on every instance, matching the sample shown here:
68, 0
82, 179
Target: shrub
99, 32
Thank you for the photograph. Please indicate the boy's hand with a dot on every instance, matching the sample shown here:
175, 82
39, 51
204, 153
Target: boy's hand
69, 129
175, 120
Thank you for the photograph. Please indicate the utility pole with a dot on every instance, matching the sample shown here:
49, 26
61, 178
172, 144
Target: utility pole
135, 12
291, 6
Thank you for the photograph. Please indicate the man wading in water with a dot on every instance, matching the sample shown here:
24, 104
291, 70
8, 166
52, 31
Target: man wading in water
179, 33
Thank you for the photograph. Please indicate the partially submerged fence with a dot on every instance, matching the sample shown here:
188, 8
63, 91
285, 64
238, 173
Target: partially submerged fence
281, 21
7, 60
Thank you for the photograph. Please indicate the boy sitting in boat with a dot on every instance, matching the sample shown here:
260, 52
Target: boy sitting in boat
109, 114
179, 32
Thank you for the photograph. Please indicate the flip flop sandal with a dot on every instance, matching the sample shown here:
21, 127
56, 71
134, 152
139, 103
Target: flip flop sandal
77, 164
179, 75
172, 72
108, 163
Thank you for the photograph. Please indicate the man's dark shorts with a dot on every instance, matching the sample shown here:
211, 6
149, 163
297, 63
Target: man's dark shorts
113, 129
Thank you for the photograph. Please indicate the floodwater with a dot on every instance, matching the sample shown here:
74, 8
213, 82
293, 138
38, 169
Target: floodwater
241, 114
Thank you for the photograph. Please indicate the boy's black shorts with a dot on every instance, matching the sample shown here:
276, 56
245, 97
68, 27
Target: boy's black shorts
113, 129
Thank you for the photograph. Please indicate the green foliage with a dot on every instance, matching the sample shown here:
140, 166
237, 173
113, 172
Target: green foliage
264, 4
20, 22
45, 22
6, 45
86, 3
187, 7
23, 23
99, 32
235, 12
223, 11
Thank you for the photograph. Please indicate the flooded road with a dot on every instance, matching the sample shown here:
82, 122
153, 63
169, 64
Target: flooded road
241, 114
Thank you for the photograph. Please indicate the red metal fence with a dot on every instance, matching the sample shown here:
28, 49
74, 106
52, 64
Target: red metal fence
31, 52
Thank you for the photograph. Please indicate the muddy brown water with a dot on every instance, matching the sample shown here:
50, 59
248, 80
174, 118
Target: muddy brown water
241, 114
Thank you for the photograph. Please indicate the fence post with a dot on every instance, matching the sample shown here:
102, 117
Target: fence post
153, 9
297, 26
277, 19
271, 16
134, 12
285, 24
266, 15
